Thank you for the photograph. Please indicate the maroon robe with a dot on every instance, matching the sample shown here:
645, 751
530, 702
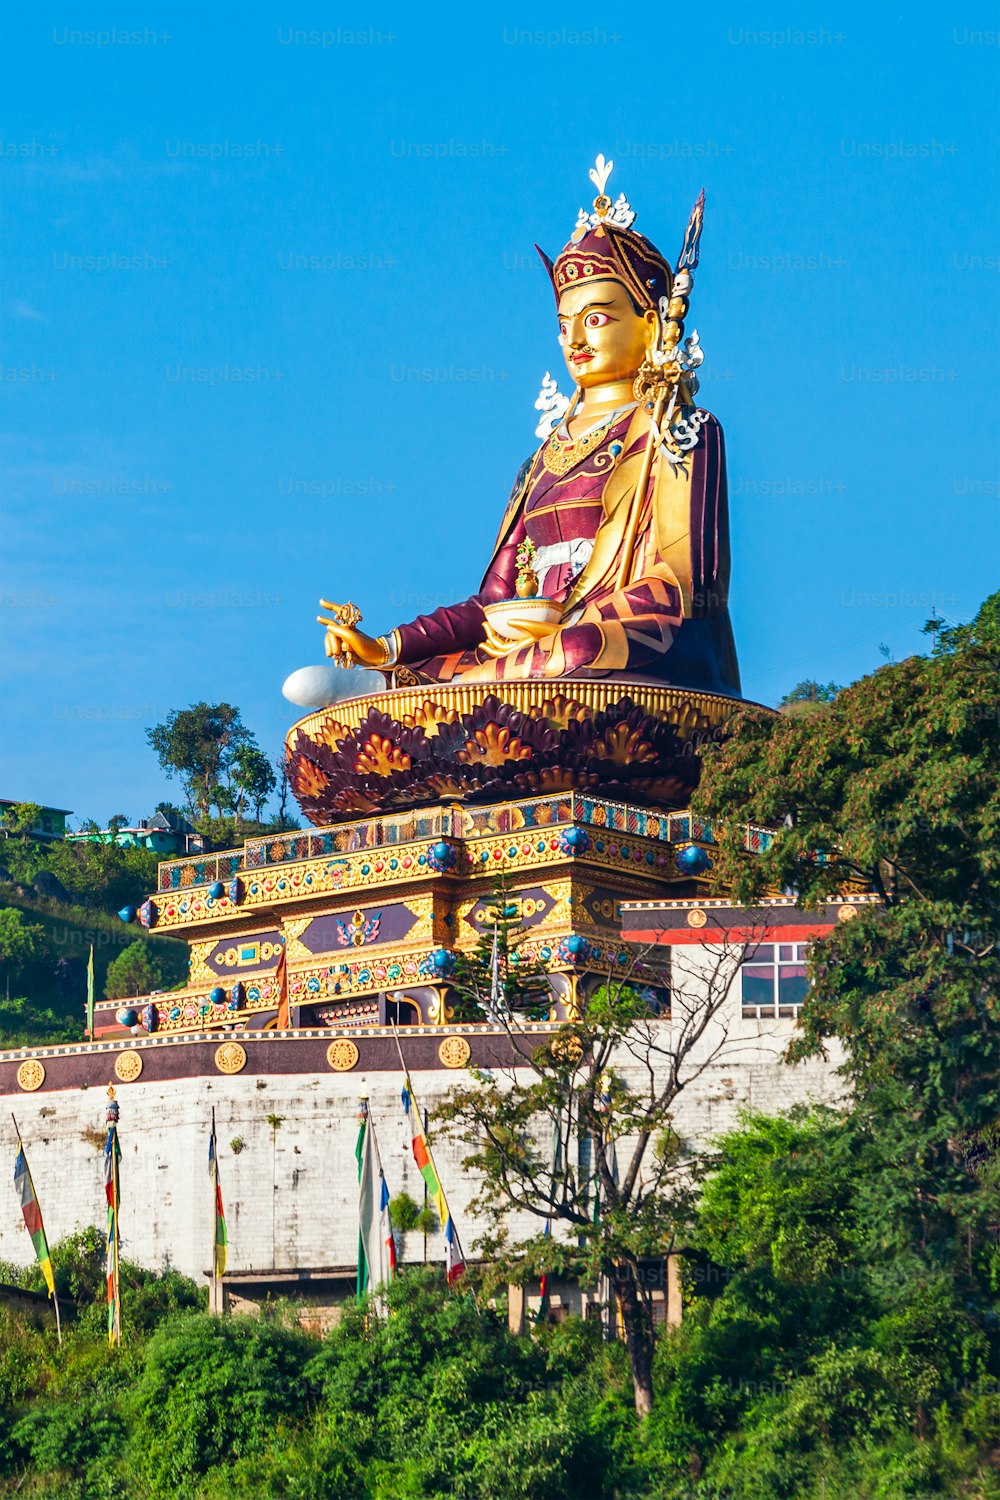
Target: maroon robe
645, 629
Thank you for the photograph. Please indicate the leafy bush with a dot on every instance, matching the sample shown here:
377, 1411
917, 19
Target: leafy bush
210, 1390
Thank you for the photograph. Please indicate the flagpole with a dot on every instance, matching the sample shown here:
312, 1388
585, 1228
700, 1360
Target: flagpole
364, 1281
425, 1198
220, 1252
31, 1184
395, 1037
387, 1234
214, 1226
90, 995
115, 1318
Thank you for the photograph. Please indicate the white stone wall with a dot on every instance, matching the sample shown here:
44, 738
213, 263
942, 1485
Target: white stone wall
291, 1191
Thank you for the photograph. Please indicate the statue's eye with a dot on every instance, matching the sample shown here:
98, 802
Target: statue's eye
563, 330
596, 320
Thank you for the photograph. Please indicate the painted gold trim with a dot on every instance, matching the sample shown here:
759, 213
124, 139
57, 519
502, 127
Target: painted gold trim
594, 694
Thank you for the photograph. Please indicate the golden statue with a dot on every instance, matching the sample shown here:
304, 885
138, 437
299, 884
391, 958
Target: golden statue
612, 559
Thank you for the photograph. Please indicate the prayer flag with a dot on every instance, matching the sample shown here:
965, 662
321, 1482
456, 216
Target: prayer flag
454, 1260
25, 1189
112, 1157
376, 1248
385, 1227
220, 1242
543, 1311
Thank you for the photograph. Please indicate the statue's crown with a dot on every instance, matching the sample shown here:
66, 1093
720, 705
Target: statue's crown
604, 245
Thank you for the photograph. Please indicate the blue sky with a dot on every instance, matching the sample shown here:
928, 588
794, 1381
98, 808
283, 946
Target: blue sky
273, 328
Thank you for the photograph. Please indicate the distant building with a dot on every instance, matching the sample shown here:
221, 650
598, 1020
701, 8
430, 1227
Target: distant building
49, 825
166, 834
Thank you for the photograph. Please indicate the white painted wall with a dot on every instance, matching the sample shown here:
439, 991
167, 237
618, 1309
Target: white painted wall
291, 1192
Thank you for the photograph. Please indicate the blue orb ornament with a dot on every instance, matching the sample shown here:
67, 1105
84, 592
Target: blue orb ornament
218, 995
216, 891
128, 913
574, 841
693, 861
438, 963
572, 949
442, 857
127, 1016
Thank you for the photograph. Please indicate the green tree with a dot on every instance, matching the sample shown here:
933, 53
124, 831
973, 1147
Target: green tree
19, 940
103, 875
524, 1123
282, 783
23, 854
239, 1378
515, 980
799, 1369
895, 788
20, 818
116, 823
439, 1399
808, 697
810, 691
25, 1025
134, 972
253, 780
199, 744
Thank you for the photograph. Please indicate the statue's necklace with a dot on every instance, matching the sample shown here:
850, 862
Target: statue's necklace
562, 454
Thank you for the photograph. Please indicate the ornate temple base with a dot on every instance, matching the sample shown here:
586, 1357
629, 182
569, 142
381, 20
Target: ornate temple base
485, 742
374, 912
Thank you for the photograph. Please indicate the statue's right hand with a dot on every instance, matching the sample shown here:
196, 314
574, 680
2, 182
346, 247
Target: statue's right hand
347, 645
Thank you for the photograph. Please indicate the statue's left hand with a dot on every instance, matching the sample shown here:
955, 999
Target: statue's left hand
345, 643
516, 633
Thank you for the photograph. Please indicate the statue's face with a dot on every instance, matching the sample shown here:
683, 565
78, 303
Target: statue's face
603, 338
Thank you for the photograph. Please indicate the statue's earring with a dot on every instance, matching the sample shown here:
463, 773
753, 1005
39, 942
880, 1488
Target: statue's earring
649, 377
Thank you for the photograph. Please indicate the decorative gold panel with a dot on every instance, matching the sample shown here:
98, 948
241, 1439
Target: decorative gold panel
128, 1066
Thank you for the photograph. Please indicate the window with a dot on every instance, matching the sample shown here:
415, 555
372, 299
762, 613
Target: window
774, 980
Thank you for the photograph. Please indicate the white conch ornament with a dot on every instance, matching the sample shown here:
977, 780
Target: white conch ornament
552, 404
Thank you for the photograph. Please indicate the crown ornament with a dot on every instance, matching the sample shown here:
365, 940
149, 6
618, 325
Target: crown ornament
604, 246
